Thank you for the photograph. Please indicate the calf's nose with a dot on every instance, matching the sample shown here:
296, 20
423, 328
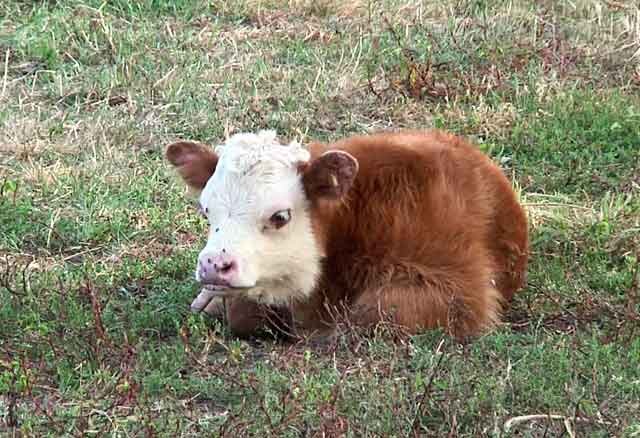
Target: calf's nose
218, 269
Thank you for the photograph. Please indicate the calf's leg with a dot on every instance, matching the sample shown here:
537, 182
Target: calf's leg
247, 318
418, 307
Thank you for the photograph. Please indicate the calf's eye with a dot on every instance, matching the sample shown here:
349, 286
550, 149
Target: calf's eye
280, 218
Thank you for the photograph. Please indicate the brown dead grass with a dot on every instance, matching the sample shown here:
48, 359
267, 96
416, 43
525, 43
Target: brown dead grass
321, 8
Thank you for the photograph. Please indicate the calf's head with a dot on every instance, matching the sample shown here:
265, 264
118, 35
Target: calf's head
256, 195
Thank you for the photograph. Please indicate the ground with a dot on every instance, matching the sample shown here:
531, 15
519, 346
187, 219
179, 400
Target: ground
98, 237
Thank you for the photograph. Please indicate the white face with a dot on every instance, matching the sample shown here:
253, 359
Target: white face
260, 236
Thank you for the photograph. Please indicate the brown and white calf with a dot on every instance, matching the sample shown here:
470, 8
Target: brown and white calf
419, 228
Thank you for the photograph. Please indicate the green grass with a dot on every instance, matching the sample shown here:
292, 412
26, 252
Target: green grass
98, 238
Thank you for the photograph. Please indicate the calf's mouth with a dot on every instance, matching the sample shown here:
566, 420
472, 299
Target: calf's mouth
209, 292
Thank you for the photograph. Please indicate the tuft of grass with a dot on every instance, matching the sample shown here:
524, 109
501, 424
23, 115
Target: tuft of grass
581, 143
98, 237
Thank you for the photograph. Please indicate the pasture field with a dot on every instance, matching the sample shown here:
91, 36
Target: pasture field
98, 237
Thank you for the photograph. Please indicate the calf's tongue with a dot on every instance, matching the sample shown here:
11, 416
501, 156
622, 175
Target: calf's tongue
204, 297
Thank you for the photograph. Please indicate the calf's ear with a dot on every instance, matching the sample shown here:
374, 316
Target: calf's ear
195, 162
330, 176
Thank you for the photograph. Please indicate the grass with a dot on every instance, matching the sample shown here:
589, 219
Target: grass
97, 236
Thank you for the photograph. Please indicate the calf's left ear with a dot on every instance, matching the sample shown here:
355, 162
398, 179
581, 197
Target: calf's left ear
330, 176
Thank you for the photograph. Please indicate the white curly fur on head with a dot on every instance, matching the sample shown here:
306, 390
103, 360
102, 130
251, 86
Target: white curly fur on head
244, 150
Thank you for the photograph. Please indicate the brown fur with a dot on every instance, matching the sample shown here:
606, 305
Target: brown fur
429, 233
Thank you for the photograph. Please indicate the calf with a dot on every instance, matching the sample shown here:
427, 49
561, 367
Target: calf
419, 228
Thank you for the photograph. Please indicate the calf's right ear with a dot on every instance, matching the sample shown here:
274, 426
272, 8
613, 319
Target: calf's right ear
194, 162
